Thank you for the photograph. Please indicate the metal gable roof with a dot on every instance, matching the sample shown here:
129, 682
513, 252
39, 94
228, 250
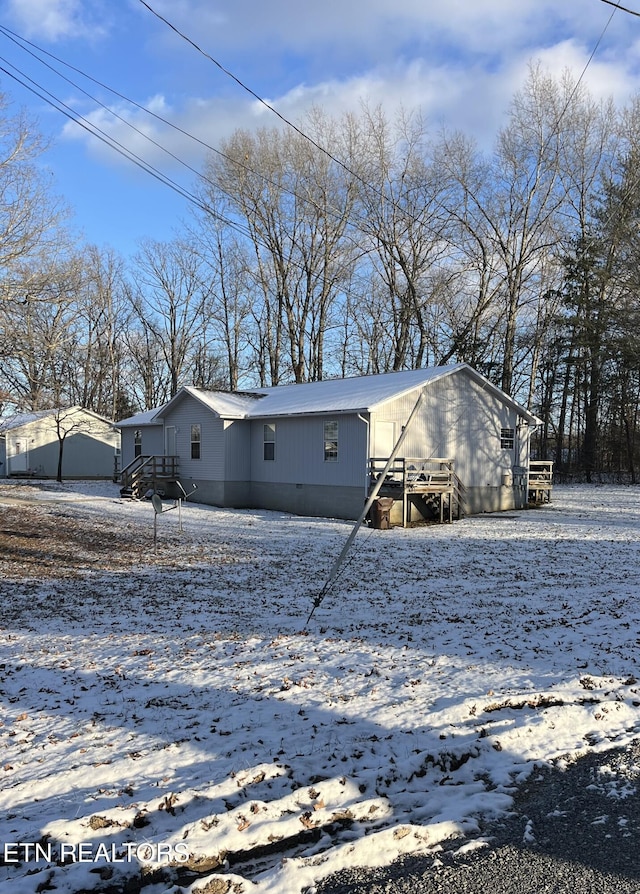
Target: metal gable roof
359, 394
227, 405
363, 394
145, 418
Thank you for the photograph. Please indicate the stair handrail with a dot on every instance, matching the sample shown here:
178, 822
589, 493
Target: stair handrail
152, 465
129, 470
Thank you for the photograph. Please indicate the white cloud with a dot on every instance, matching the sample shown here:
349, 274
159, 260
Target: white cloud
454, 96
53, 20
459, 63
380, 28
604, 77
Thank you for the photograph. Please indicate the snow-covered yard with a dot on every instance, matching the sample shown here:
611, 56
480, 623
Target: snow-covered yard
169, 721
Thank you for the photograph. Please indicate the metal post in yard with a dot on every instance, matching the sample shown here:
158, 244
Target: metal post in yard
156, 502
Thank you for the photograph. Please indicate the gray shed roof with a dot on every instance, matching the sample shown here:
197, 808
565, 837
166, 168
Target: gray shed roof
21, 419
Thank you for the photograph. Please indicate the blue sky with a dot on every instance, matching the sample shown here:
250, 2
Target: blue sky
459, 62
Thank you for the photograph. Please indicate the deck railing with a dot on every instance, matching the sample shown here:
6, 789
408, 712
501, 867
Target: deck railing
414, 478
148, 470
540, 482
409, 472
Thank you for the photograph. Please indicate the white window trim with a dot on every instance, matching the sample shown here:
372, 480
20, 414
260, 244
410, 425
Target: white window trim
507, 438
268, 428
326, 440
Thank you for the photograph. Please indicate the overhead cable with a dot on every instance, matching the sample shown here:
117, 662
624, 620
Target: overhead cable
24, 45
95, 131
272, 109
632, 12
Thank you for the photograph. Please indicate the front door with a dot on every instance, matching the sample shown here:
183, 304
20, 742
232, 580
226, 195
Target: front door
385, 439
170, 441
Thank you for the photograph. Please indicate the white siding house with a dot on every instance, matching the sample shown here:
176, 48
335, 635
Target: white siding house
31, 444
306, 448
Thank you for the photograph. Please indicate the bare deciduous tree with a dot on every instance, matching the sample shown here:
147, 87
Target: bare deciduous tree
294, 203
29, 213
169, 303
402, 220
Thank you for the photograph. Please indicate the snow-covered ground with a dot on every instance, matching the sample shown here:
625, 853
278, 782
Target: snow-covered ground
172, 718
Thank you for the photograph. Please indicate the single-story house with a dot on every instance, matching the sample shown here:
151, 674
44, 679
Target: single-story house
316, 448
31, 444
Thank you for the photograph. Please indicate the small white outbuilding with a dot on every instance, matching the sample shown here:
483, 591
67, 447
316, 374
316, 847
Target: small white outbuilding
73, 442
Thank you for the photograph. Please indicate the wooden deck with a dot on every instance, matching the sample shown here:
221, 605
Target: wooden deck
148, 473
540, 484
430, 486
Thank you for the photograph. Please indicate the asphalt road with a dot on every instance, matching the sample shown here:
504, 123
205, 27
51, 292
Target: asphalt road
572, 831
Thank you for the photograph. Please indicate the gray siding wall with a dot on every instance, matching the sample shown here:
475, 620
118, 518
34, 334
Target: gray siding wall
299, 452
88, 451
85, 454
237, 434
211, 465
84, 457
458, 420
152, 442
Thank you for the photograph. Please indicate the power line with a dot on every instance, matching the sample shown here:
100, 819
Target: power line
633, 185
369, 186
632, 12
271, 108
91, 128
20, 41
140, 162
23, 44
240, 83
111, 142
95, 131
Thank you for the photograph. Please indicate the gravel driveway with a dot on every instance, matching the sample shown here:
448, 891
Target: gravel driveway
574, 829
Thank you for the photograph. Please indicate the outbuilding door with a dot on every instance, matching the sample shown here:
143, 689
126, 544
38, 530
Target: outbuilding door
19, 461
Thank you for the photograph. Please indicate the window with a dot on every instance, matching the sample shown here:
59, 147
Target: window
331, 442
269, 441
195, 442
507, 438
137, 442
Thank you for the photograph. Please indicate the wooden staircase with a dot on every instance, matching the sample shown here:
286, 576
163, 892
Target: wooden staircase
148, 473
